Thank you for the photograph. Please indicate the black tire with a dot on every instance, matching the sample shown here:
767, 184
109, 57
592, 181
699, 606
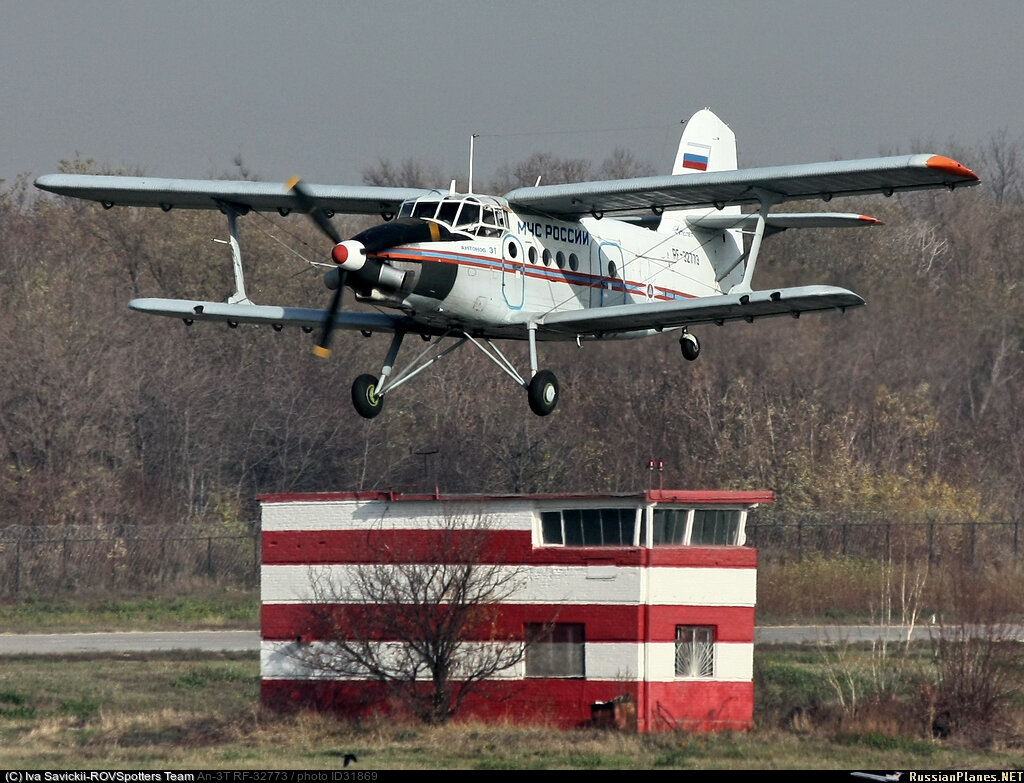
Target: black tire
689, 346
543, 392
364, 396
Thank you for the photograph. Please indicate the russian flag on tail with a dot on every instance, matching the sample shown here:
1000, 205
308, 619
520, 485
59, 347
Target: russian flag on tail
693, 160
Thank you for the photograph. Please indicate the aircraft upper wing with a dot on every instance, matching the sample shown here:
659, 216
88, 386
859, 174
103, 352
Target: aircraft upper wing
617, 319
214, 194
744, 186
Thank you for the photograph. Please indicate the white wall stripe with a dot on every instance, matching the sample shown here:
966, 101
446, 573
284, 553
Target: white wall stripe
296, 516
604, 661
283, 584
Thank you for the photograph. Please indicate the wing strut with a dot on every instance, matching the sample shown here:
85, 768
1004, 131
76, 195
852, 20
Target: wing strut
768, 200
233, 213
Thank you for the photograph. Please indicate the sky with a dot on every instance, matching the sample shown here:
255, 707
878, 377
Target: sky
325, 90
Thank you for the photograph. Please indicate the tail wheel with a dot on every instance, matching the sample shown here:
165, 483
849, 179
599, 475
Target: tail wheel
365, 398
690, 347
543, 392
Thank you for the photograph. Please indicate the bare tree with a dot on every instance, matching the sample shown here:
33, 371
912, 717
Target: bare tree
424, 619
976, 656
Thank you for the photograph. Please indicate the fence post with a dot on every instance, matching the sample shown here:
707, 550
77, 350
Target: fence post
256, 557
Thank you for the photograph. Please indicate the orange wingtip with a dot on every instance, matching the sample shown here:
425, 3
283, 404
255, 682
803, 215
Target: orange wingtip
950, 166
292, 182
872, 220
322, 352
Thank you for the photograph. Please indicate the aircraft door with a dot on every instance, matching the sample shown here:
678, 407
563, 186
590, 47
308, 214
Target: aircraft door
513, 272
607, 269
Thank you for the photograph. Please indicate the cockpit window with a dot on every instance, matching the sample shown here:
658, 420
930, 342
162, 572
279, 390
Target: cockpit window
469, 215
465, 214
447, 212
425, 209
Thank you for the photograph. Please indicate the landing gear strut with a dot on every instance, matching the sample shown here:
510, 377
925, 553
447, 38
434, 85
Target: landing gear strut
368, 391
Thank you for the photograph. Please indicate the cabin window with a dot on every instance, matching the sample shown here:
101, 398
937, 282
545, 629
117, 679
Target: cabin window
532, 252
547, 257
574, 262
555, 650
588, 527
560, 259
695, 651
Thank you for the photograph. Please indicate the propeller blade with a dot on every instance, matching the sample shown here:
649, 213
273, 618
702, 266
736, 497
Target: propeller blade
323, 348
318, 213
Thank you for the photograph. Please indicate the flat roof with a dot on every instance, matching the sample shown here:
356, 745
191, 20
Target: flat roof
723, 497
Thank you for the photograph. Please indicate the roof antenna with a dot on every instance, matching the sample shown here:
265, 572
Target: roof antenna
472, 139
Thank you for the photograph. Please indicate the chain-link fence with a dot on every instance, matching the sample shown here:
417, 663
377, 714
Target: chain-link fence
53, 560
935, 538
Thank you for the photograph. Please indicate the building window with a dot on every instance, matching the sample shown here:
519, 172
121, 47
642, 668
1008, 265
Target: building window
588, 527
669, 526
554, 650
695, 527
695, 651
713, 527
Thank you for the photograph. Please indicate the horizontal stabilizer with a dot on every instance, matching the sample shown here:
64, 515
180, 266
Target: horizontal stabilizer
619, 319
781, 221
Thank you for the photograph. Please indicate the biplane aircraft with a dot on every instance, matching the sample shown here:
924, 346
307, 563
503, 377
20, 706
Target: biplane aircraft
589, 260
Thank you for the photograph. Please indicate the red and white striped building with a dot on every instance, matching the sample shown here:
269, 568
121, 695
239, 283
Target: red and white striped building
645, 598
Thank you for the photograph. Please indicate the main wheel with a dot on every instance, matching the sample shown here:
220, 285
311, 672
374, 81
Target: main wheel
365, 398
690, 347
543, 392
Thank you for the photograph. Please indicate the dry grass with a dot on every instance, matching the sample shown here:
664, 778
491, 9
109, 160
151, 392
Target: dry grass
202, 712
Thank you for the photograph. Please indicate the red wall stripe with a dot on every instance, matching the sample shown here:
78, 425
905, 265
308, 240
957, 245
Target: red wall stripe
690, 705
358, 547
604, 623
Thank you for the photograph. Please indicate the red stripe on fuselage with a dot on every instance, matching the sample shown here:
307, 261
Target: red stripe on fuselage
556, 275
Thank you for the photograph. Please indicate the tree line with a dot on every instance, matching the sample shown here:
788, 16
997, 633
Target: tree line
909, 404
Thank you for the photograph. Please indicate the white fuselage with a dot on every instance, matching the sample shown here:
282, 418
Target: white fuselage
541, 265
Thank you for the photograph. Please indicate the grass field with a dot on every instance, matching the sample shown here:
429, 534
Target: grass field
221, 609
178, 711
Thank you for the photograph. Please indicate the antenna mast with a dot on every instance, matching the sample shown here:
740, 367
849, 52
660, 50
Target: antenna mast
472, 139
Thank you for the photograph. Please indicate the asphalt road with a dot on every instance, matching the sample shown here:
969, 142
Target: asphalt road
141, 641
249, 641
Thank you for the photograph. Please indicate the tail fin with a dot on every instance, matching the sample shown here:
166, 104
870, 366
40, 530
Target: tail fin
708, 144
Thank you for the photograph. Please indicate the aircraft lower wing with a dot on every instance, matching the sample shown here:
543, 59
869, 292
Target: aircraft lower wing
192, 310
617, 319
775, 184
